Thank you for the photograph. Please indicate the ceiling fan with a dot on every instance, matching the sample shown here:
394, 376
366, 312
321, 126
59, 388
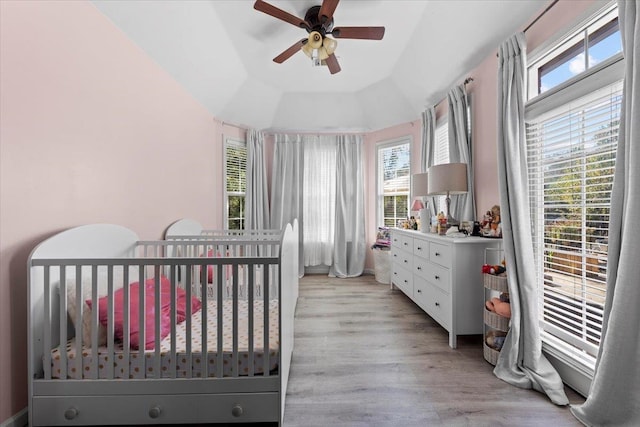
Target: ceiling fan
318, 22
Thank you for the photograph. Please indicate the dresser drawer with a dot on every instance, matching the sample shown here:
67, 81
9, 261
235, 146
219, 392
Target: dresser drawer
402, 258
440, 254
432, 300
421, 248
436, 275
402, 278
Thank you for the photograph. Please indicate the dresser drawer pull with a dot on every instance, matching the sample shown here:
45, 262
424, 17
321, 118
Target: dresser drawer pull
395, 255
395, 272
419, 248
437, 304
406, 281
419, 291
419, 268
437, 277
406, 261
405, 243
437, 253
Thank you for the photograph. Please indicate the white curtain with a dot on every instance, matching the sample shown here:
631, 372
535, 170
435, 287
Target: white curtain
614, 397
521, 361
349, 242
319, 199
257, 202
463, 206
286, 186
427, 157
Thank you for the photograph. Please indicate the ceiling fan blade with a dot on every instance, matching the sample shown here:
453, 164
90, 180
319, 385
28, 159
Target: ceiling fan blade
368, 33
280, 14
326, 10
332, 63
289, 52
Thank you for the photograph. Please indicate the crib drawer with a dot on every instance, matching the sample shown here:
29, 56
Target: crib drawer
156, 409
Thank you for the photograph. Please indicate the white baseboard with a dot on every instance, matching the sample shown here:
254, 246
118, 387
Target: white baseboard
369, 271
21, 419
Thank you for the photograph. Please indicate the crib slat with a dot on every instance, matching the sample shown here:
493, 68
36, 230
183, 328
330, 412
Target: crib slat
110, 335
250, 300
47, 325
142, 309
204, 355
79, 311
219, 323
63, 321
234, 358
158, 304
265, 310
173, 355
93, 369
126, 341
189, 366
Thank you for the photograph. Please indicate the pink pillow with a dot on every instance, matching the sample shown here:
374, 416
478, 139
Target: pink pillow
165, 311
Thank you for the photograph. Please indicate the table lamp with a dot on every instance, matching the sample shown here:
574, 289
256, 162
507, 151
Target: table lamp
447, 179
419, 189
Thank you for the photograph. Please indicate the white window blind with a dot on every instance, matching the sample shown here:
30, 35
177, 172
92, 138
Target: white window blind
571, 158
441, 155
394, 182
235, 183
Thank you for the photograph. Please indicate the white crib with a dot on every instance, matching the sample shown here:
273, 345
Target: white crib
198, 353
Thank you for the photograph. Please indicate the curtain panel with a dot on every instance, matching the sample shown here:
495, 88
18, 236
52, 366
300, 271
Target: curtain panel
614, 395
257, 201
349, 250
463, 206
427, 154
521, 361
286, 187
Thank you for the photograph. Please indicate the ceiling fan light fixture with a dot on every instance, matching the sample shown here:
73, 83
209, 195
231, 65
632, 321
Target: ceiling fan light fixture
329, 45
308, 50
315, 40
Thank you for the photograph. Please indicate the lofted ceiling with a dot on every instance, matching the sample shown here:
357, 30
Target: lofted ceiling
221, 52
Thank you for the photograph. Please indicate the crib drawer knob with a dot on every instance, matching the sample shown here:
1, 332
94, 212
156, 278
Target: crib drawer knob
155, 411
237, 410
71, 413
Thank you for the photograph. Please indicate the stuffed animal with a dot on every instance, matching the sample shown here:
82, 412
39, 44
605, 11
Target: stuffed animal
500, 306
495, 339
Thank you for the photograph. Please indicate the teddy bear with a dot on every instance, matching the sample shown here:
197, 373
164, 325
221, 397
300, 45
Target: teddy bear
495, 339
500, 305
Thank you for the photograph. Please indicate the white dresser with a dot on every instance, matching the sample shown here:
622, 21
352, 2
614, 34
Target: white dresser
443, 276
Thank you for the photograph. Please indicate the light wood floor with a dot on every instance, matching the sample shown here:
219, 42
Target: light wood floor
365, 355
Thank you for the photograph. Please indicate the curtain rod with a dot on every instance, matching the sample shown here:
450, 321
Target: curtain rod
537, 18
541, 15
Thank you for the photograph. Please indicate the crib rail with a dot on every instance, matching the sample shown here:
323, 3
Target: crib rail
169, 278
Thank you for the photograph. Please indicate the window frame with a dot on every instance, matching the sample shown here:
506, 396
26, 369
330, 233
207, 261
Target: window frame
575, 368
384, 145
235, 143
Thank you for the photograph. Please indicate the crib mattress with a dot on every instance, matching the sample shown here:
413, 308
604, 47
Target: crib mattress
143, 366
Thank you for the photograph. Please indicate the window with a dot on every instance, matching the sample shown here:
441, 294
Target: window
571, 147
441, 155
235, 153
394, 181
591, 45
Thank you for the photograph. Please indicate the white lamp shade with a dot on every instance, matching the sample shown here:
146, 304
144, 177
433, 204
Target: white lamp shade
448, 178
420, 184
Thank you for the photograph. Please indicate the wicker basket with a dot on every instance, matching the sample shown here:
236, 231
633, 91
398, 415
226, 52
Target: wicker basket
497, 283
495, 321
490, 355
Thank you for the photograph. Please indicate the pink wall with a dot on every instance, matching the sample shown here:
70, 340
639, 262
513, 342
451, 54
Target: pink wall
92, 130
